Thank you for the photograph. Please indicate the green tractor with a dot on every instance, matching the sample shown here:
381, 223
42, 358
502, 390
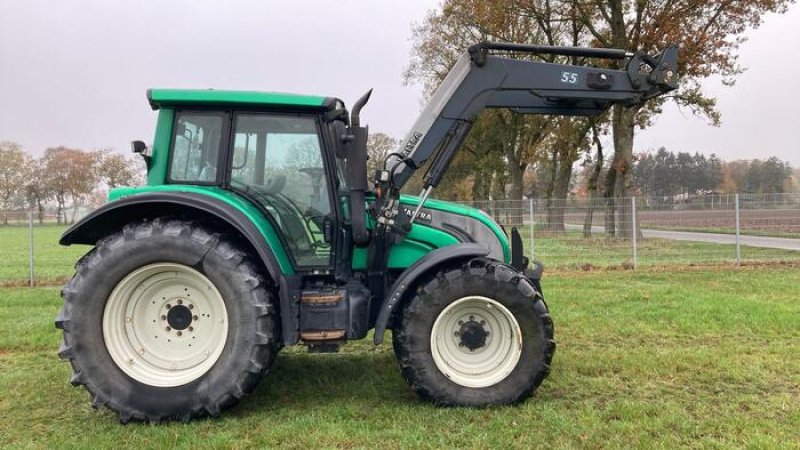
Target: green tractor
258, 229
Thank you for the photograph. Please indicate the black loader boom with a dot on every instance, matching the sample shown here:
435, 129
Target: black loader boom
483, 78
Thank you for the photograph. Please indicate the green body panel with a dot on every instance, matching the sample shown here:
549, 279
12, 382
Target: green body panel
203, 97
422, 239
418, 242
248, 209
159, 156
462, 210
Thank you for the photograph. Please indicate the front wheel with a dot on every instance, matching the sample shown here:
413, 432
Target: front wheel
167, 320
476, 335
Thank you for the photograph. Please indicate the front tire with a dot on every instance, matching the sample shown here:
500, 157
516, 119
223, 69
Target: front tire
166, 320
476, 335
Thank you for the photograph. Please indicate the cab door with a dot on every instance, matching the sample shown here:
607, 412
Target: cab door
278, 162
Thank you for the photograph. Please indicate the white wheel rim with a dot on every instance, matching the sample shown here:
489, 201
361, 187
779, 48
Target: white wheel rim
488, 364
137, 324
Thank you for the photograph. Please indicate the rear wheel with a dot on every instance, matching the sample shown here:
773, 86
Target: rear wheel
165, 320
476, 335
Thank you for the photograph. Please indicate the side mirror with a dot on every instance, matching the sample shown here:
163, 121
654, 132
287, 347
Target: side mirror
138, 147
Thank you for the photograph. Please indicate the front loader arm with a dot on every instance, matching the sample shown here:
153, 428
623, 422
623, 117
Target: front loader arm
482, 80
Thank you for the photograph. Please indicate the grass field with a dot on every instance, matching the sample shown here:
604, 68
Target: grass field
650, 359
562, 251
52, 261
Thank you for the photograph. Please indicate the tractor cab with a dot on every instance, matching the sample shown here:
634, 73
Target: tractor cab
274, 150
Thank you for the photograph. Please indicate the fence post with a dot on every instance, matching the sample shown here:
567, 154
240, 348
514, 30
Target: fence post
30, 245
530, 212
634, 234
738, 249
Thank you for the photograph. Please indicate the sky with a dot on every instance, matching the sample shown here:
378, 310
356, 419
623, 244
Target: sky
75, 73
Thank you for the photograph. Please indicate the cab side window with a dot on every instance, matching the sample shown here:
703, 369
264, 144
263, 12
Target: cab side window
196, 147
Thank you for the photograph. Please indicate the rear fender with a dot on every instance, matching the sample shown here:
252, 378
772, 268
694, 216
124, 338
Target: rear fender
113, 216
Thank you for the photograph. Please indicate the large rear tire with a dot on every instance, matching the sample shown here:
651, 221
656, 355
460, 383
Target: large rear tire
475, 335
166, 320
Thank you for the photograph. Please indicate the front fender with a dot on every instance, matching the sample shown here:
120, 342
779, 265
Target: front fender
424, 265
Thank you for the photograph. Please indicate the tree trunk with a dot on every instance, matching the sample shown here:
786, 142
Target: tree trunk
61, 204
608, 195
514, 212
482, 185
622, 169
567, 157
74, 212
550, 188
558, 197
40, 208
592, 185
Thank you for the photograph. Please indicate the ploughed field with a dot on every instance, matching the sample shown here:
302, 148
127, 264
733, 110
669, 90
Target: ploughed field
768, 222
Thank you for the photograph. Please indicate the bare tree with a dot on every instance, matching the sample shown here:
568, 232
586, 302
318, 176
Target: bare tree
37, 190
440, 40
116, 169
708, 34
379, 145
13, 164
69, 174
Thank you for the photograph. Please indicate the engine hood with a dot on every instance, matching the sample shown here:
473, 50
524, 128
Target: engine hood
465, 223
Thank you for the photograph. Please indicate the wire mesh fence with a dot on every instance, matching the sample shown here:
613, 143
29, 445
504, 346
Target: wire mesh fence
631, 232
571, 234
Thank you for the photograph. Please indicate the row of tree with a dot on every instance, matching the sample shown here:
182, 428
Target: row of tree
502, 146
666, 174
63, 176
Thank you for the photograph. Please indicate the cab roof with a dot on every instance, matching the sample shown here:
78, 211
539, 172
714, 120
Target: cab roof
248, 99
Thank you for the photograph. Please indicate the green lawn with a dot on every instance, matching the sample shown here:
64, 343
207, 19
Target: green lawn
699, 358
51, 261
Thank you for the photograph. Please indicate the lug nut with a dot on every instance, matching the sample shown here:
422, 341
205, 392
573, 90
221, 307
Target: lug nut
169, 306
472, 318
168, 328
180, 302
180, 333
483, 322
194, 317
460, 344
191, 328
163, 317
191, 306
461, 322
455, 334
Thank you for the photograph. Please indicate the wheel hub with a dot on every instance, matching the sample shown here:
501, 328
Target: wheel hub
472, 334
165, 324
179, 317
476, 341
